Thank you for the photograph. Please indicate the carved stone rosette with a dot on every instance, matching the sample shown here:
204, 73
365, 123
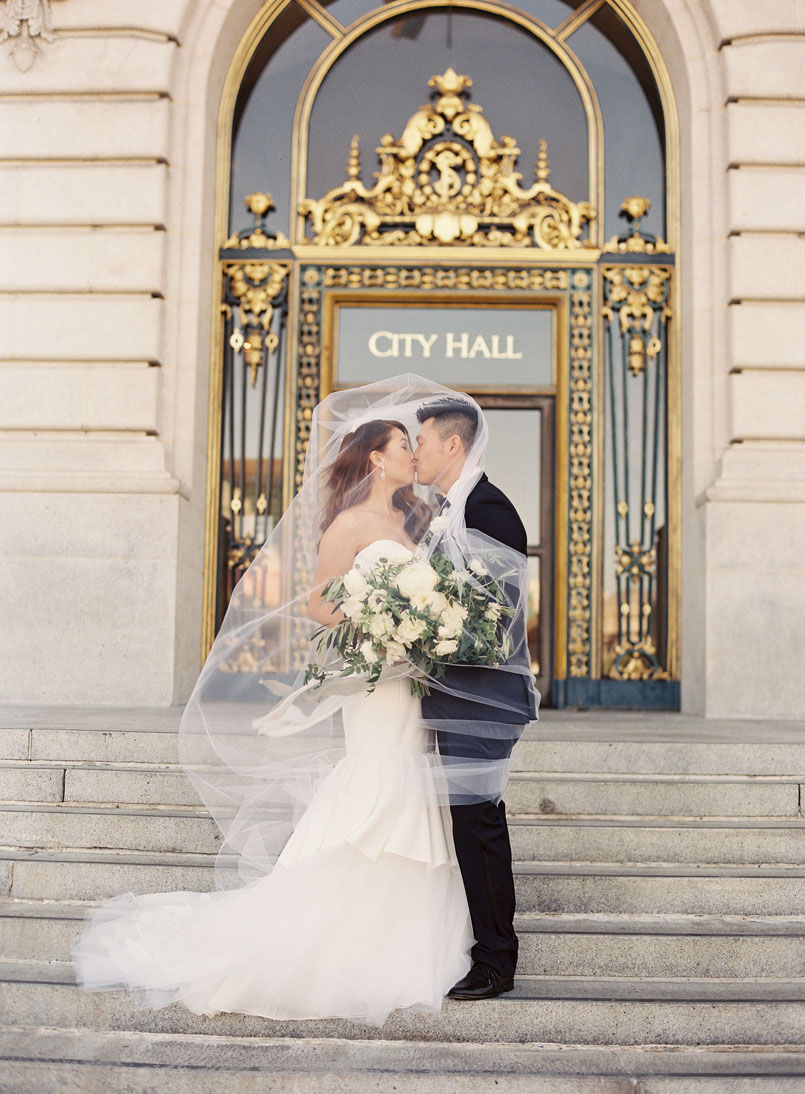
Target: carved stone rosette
447, 181
23, 21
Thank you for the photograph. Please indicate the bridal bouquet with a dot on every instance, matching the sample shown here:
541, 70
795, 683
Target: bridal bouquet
408, 608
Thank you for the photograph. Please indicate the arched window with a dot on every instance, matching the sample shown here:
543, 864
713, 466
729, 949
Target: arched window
577, 117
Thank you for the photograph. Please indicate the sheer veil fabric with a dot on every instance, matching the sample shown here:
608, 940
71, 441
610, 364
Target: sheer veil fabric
340, 893
254, 740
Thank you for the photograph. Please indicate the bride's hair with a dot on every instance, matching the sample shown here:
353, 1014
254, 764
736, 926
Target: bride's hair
349, 477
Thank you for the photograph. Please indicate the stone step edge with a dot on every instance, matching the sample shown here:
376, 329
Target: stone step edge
546, 820
522, 868
534, 988
198, 1051
654, 924
531, 775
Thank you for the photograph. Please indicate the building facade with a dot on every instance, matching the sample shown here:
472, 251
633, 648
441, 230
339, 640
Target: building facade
587, 214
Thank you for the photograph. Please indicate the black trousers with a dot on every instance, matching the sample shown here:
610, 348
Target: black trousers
484, 854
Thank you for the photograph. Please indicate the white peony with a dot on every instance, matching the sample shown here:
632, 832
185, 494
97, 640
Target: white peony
410, 629
416, 579
452, 620
441, 649
381, 624
433, 603
355, 584
478, 568
368, 651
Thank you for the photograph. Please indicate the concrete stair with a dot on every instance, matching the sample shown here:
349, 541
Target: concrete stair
660, 878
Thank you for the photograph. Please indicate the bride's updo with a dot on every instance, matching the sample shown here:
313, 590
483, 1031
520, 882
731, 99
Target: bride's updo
349, 480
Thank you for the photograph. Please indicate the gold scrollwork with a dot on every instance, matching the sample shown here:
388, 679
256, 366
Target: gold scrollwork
638, 294
581, 454
427, 277
256, 238
636, 242
309, 373
434, 189
254, 286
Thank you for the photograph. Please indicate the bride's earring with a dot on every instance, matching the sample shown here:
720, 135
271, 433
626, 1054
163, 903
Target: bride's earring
382, 471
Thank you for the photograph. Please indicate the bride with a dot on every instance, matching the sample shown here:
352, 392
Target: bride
331, 799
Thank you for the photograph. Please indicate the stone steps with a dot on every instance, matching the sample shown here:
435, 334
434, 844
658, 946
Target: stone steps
590, 1010
627, 746
660, 883
633, 888
43, 1061
538, 792
655, 947
546, 838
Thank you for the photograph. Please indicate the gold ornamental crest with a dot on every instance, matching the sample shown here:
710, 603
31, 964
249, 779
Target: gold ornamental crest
447, 181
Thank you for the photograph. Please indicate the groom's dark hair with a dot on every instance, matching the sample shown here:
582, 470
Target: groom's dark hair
453, 417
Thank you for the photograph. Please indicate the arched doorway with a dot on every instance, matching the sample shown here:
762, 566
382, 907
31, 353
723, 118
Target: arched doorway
409, 237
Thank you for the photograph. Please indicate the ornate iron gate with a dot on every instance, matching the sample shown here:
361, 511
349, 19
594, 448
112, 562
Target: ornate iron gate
448, 215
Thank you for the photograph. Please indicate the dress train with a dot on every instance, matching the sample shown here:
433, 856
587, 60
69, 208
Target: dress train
364, 913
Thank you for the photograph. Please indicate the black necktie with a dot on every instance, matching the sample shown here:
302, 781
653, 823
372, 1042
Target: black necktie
442, 501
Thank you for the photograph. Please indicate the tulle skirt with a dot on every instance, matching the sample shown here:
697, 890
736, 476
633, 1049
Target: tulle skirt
364, 913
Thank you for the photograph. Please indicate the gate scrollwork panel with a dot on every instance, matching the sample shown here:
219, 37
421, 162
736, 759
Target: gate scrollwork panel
636, 310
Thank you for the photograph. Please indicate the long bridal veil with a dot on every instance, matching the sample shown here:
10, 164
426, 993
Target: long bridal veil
255, 740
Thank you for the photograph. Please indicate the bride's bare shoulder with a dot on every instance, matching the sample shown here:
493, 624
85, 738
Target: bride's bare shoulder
347, 521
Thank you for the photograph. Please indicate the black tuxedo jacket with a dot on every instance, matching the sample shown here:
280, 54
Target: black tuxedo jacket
488, 510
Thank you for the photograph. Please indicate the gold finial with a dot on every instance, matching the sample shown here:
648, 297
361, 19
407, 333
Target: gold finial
354, 161
259, 204
450, 83
636, 207
543, 164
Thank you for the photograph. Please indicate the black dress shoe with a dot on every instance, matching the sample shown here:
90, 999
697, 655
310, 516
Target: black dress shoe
481, 982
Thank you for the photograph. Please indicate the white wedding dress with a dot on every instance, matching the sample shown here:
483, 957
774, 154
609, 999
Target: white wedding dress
365, 911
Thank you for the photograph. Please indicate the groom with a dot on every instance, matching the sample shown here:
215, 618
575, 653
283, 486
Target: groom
446, 434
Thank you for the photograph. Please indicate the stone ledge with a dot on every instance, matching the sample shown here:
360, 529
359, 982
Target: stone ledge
653, 1012
357, 1056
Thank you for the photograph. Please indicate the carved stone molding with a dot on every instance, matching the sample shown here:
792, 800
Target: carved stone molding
448, 181
23, 21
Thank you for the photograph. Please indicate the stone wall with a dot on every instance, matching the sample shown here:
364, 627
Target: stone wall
107, 174
755, 507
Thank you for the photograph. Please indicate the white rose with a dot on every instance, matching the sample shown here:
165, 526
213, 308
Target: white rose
438, 524
441, 649
355, 583
381, 624
395, 651
493, 611
461, 575
417, 578
478, 568
368, 651
352, 608
410, 629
